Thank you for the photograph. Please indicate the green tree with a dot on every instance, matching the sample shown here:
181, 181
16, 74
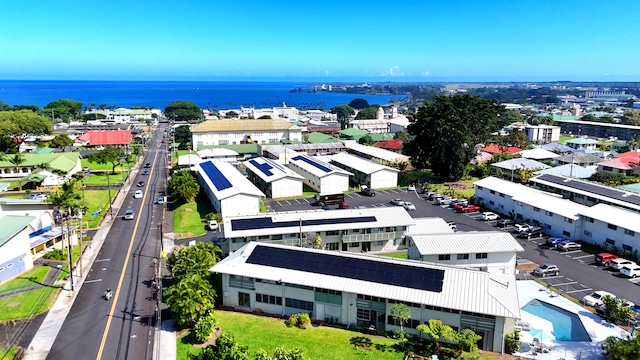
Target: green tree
343, 112
631, 117
61, 141
15, 126
400, 135
437, 330
198, 258
110, 155
184, 186
401, 313
615, 310
63, 109
617, 349
446, 131
359, 103
189, 299
16, 160
182, 135
368, 113
225, 348
469, 340
183, 111
366, 140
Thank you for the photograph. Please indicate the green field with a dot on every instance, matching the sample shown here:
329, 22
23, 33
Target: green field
27, 304
317, 343
188, 219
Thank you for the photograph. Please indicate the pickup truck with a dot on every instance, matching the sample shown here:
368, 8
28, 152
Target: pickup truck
467, 208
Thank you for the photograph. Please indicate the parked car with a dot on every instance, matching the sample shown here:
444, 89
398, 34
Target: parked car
444, 200
595, 298
137, 194
409, 206
604, 258
554, 241
533, 232
326, 207
488, 216
503, 223
518, 228
625, 304
343, 205
411, 188
434, 196
128, 215
86, 169
467, 208
38, 196
396, 202
160, 200
457, 202
367, 191
212, 225
547, 269
619, 263
140, 183
569, 246
631, 271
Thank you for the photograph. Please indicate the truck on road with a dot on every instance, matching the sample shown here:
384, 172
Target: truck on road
330, 199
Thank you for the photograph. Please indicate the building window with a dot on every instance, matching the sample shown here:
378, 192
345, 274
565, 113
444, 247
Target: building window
610, 241
333, 232
548, 226
299, 304
363, 314
332, 246
629, 232
536, 209
354, 245
587, 233
567, 220
269, 299
491, 202
589, 219
481, 255
463, 256
492, 191
612, 227
444, 257
223, 142
627, 247
566, 233
244, 299
548, 213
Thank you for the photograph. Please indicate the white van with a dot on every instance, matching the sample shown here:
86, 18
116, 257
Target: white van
138, 194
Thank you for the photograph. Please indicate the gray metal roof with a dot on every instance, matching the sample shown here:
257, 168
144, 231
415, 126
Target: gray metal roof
465, 290
274, 170
614, 216
466, 243
239, 184
361, 164
433, 225
384, 217
315, 166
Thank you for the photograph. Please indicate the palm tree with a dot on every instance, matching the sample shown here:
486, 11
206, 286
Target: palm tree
189, 299
401, 312
17, 160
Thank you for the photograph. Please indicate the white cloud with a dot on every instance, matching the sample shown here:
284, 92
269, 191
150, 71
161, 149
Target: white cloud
425, 73
326, 72
393, 71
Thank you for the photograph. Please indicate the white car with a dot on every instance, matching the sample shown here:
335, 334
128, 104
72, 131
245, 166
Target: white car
138, 194
129, 215
595, 298
631, 271
518, 228
619, 263
397, 202
408, 206
411, 188
487, 216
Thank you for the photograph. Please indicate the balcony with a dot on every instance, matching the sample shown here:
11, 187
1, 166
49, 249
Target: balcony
380, 236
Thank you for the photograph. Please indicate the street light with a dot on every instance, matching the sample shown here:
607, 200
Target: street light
109, 194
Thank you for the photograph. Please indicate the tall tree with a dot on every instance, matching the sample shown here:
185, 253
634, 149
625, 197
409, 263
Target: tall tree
193, 259
368, 113
359, 103
182, 135
342, 112
17, 160
446, 131
61, 141
65, 110
110, 155
184, 186
189, 299
401, 313
183, 111
15, 126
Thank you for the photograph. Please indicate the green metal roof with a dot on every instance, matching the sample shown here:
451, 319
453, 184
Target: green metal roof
42, 151
353, 132
239, 148
318, 138
56, 161
11, 225
630, 187
382, 137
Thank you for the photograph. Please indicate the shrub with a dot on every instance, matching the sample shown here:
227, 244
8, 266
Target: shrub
203, 328
56, 254
511, 342
301, 321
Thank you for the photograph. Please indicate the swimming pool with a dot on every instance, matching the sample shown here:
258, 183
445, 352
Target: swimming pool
566, 325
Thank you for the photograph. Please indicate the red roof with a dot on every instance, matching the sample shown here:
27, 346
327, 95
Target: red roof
107, 137
629, 155
395, 144
623, 163
497, 149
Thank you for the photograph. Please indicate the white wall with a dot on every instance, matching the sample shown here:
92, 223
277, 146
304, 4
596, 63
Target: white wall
384, 179
335, 183
286, 187
598, 232
240, 204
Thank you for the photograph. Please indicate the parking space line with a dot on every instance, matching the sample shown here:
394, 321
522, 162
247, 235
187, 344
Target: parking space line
568, 283
575, 291
635, 281
582, 257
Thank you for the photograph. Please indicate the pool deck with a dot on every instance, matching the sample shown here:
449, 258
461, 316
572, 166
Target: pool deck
598, 328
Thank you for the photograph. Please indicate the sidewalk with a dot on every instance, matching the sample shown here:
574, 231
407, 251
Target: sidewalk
43, 340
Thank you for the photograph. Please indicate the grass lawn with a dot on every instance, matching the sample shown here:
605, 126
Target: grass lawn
27, 304
105, 167
317, 343
95, 200
31, 277
397, 255
11, 353
565, 138
188, 219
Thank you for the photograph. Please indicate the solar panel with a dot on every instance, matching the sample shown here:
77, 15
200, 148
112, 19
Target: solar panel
592, 188
217, 178
380, 272
264, 167
275, 164
268, 223
312, 163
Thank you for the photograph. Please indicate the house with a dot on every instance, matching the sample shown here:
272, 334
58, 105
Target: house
597, 129
623, 163
538, 154
319, 175
542, 133
499, 149
392, 145
578, 158
221, 154
100, 138
273, 179
493, 251
582, 143
228, 190
431, 225
516, 164
188, 161
611, 226
371, 229
353, 133
375, 153
50, 169
366, 172
241, 131
568, 170
349, 288
319, 138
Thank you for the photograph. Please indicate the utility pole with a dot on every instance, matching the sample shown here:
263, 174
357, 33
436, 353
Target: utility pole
69, 253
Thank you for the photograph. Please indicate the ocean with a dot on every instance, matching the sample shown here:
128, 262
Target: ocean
158, 94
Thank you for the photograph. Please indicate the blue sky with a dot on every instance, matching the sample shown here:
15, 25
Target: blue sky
396, 41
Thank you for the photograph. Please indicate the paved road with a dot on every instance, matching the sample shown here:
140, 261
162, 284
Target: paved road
122, 328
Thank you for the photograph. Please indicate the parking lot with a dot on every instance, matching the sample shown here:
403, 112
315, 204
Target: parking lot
579, 276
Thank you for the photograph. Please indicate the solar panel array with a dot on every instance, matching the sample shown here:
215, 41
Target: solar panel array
264, 167
312, 163
380, 272
592, 188
217, 178
275, 164
268, 223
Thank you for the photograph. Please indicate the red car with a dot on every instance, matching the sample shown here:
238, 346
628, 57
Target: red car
467, 208
343, 205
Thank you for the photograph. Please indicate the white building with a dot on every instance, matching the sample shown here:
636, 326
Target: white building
238, 131
492, 251
375, 229
349, 289
366, 172
375, 153
611, 226
542, 133
221, 154
275, 180
230, 193
431, 225
320, 176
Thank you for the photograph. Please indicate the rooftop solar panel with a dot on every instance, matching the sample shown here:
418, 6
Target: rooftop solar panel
311, 162
591, 188
268, 223
380, 272
264, 167
217, 178
275, 164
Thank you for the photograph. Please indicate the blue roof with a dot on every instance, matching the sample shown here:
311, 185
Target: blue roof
312, 163
264, 167
218, 180
568, 170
